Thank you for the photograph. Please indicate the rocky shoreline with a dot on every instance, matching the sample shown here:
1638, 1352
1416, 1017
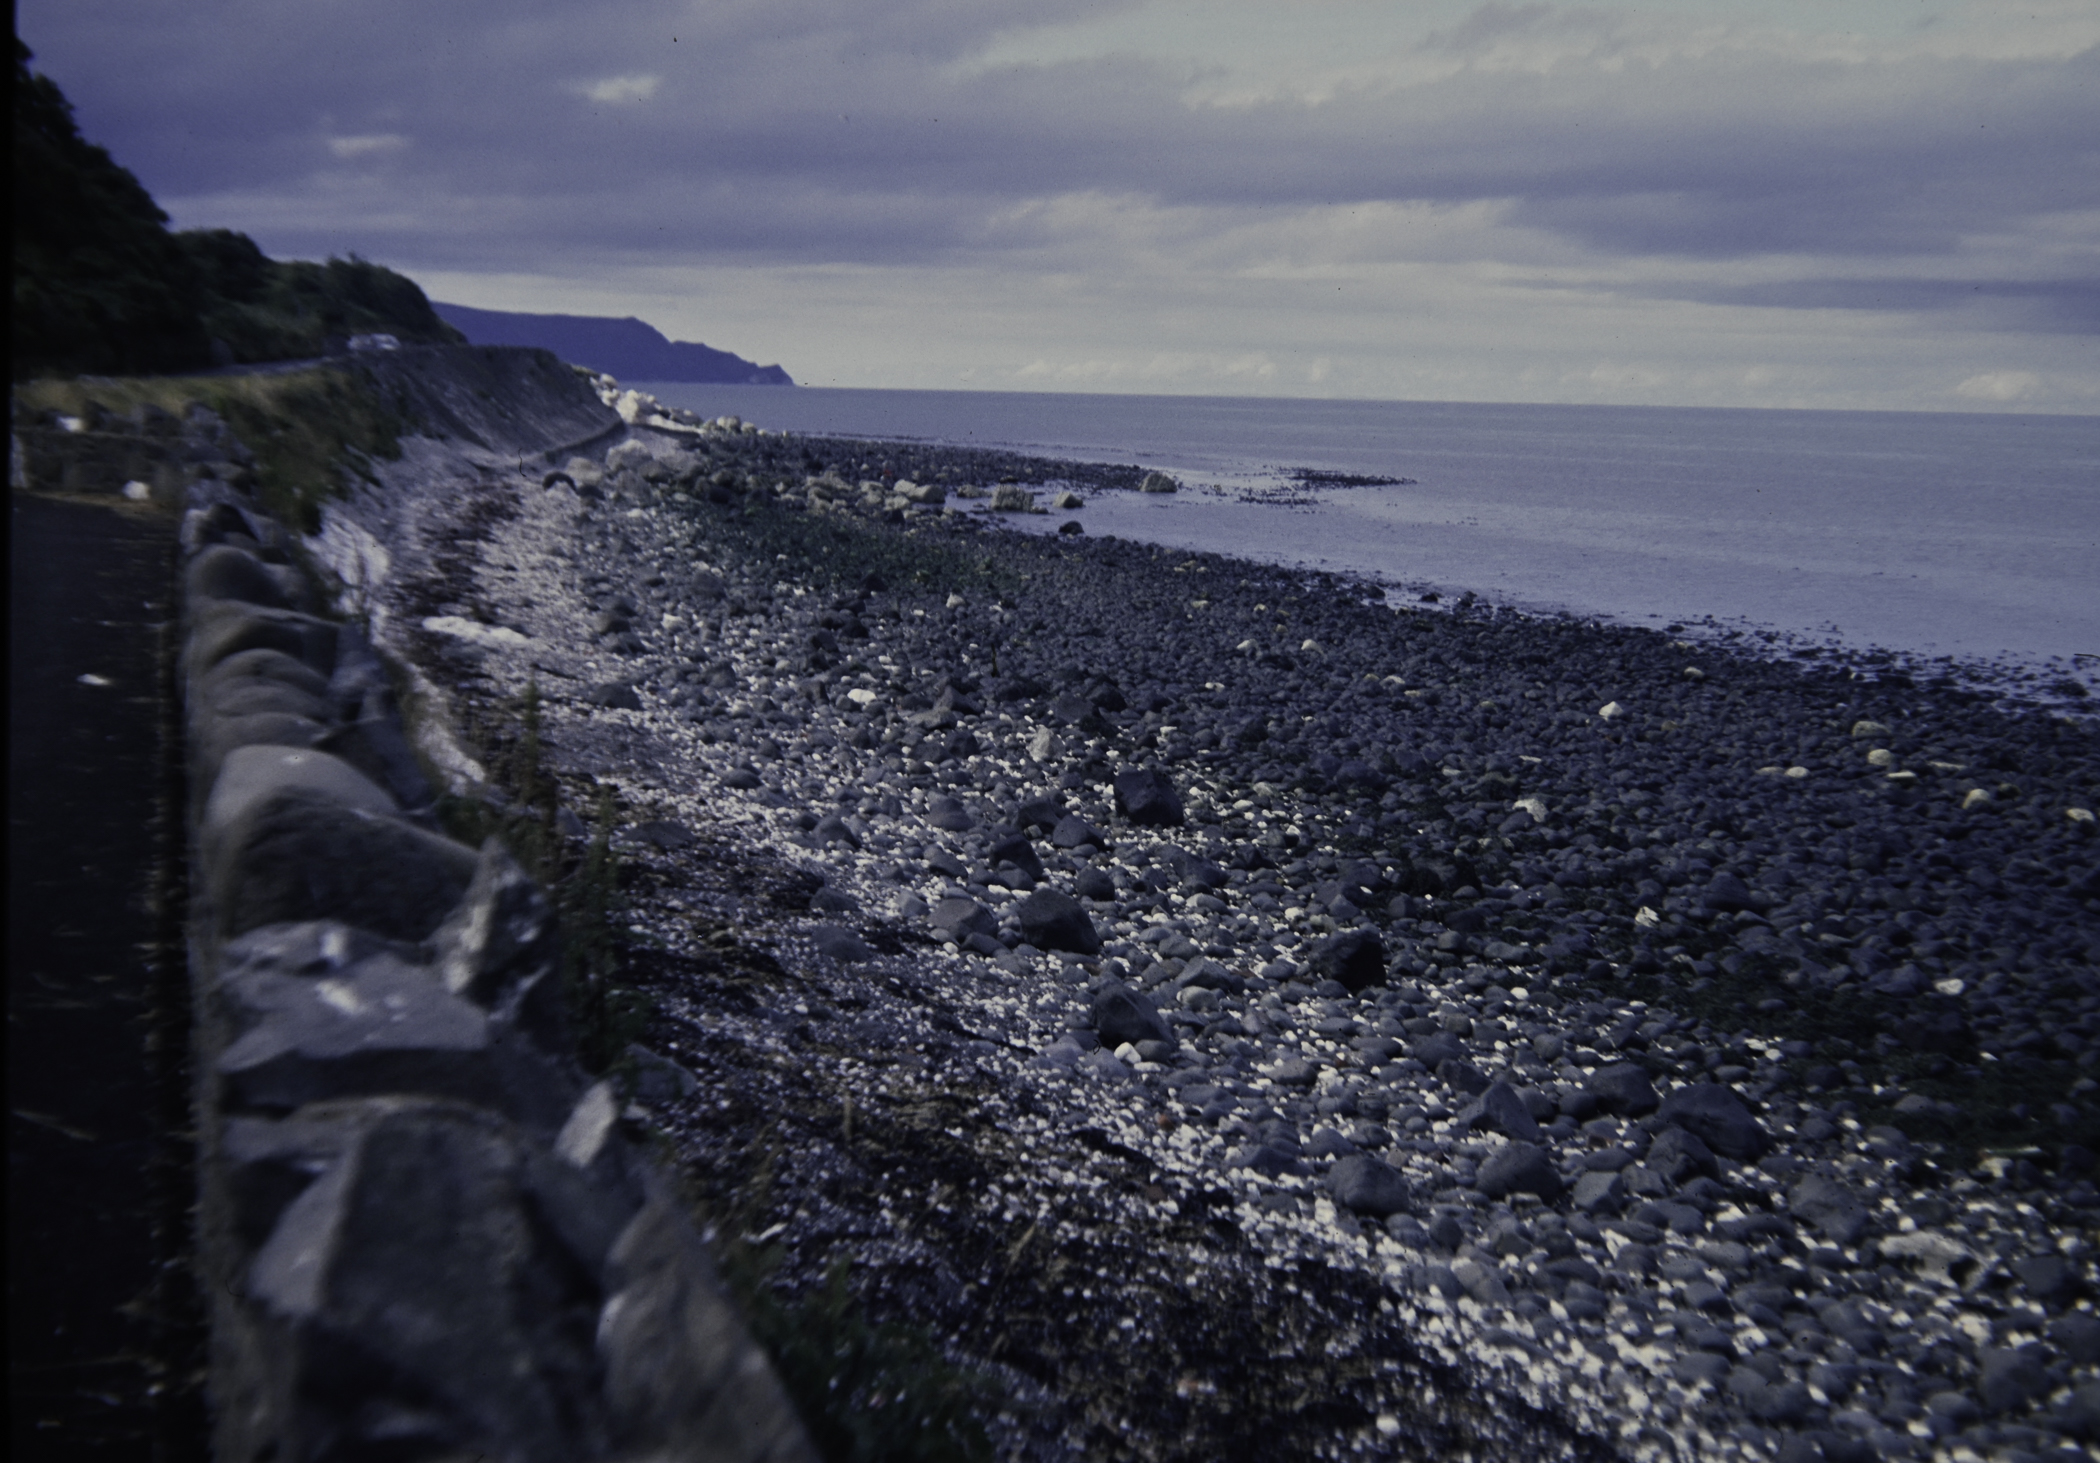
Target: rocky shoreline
1250, 1018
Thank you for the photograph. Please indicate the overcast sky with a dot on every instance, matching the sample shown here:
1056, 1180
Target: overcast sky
1856, 203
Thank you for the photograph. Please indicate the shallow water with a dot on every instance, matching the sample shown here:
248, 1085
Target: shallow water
1966, 535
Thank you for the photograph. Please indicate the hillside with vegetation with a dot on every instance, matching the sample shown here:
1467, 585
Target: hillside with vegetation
102, 285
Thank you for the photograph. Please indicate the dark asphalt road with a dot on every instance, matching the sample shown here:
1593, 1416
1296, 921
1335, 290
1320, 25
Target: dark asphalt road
101, 1334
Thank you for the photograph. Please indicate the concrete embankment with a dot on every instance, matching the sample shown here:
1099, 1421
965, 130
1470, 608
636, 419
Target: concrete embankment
420, 1228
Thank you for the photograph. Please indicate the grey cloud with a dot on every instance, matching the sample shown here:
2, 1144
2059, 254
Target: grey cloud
2050, 306
806, 129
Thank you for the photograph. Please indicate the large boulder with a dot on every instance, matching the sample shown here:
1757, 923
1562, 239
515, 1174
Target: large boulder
1832, 1209
319, 1012
1503, 1110
1437, 1048
500, 949
1121, 1015
1622, 1088
224, 572
1716, 1116
1356, 958
224, 628
958, 917
424, 1248
1679, 1156
1014, 848
210, 746
1367, 1185
682, 1377
1520, 1168
1147, 796
290, 834
1051, 920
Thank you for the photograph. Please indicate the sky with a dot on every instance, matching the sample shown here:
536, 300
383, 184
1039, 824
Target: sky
1868, 204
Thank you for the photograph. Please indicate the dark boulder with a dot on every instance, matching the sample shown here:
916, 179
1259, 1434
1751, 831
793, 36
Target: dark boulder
1121, 1015
958, 917
949, 815
1437, 1048
221, 572
1093, 883
290, 834
1073, 831
1356, 958
1726, 894
1051, 920
1147, 796
1832, 1209
1503, 1110
1623, 1088
1520, 1168
1717, 1116
1015, 849
1368, 1186
1462, 1076
1679, 1157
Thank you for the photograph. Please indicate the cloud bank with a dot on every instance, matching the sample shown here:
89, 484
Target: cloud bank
1539, 201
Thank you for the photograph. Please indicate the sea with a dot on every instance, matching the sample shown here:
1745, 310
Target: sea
1965, 538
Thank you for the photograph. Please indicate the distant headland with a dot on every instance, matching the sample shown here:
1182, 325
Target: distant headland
628, 348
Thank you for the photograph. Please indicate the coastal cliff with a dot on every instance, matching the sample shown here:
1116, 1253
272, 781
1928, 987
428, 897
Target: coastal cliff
628, 348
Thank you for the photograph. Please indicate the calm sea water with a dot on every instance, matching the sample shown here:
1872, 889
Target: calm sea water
1975, 536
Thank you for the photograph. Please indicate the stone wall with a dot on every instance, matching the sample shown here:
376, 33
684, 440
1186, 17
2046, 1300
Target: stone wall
423, 1231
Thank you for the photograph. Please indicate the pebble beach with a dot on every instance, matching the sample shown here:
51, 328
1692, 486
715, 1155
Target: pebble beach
1238, 1012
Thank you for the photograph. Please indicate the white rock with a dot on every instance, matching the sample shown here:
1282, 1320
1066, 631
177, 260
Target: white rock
137, 491
632, 453
582, 1137
1977, 798
1611, 709
498, 637
1935, 1254
1043, 745
635, 406
1536, 806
